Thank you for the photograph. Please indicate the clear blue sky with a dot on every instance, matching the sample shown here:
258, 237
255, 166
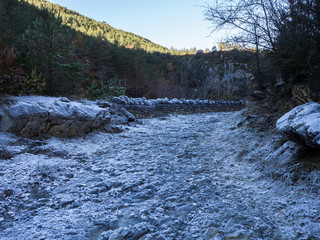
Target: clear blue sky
177, 23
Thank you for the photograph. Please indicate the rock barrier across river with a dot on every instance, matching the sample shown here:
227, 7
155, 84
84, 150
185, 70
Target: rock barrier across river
142, 107
33, 116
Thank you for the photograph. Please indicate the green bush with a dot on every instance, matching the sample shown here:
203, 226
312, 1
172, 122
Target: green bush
11, 76
115, 88
96, 91
34, 84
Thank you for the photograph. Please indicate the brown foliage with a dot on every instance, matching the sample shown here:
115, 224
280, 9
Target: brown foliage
11, 76
301, 94
34, 84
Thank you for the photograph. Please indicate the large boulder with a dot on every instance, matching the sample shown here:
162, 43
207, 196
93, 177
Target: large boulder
33, 116
302, 123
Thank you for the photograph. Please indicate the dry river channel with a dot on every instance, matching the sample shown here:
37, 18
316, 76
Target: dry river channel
177, 177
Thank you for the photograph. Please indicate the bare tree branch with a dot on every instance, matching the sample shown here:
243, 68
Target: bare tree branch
257, 18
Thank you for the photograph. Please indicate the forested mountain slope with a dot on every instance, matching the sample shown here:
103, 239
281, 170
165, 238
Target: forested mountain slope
97, 29
49, 49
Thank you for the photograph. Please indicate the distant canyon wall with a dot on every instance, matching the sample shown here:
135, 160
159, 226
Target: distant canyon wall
217, 75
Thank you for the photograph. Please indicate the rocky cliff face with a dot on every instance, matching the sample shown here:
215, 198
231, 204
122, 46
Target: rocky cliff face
217, 75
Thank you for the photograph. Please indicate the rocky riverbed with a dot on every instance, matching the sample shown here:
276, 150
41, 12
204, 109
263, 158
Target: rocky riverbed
182, 177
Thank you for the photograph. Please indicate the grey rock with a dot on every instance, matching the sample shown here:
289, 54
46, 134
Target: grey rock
104, 104
280, 162
279, 86
5, 154
302, 123
198, 101
125, 99
58, 117
285, 154
129, 233
251, 121
118, 120
210, 233
65, 202
118, 100
128, 115
258, 95
64, 99
113, 129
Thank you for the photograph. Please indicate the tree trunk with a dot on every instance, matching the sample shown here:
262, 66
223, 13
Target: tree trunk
258, 70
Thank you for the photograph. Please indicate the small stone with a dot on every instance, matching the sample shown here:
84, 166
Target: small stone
240, 234
7, 193
5, 154
113, 129
118, 100
115, 236
65, 202
210, 234
64, 99
258, 95
69, 175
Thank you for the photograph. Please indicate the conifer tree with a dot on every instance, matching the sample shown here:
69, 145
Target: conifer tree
48, 47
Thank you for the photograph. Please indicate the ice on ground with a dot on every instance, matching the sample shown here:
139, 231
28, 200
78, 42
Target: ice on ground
177, 177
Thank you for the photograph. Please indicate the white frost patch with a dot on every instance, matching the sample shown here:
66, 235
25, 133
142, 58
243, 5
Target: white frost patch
186, 177
56, 106
5, 138
88, 144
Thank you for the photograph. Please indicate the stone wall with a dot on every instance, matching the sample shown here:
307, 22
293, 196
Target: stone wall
33, 116
141, 107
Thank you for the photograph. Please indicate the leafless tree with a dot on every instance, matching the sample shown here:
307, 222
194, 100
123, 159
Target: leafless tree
257, 21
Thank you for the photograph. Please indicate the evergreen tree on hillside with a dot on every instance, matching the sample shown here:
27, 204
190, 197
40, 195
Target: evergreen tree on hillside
47, 46
298, 44
98, 29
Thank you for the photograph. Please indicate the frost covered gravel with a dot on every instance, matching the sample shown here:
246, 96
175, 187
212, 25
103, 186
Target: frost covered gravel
178, 177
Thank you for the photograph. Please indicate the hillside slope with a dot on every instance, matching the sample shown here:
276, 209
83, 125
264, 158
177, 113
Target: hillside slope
97, 29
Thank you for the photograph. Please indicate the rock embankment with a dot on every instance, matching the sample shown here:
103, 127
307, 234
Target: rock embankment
302, 123
298, 158
141, 107
33, 116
